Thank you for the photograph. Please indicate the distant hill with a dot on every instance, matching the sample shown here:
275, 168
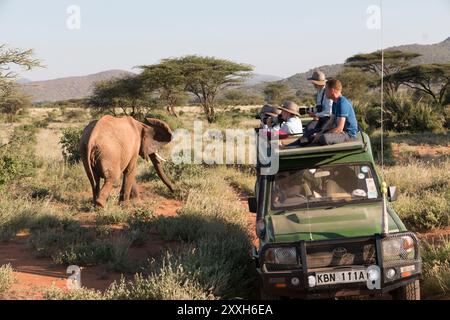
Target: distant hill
81, 87
67, 88
432, 53
23, 81
261, 78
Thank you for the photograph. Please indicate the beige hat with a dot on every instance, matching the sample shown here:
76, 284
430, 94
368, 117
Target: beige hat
290, 107
269, 110
318, 77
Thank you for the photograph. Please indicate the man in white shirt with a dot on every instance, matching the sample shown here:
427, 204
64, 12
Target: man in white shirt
323, 105
292, 123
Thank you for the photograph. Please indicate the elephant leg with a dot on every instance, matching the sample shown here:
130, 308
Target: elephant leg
104, 192
135, 192
129, 180
96, 189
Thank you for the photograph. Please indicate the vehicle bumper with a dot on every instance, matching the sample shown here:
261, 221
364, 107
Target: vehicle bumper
294, 283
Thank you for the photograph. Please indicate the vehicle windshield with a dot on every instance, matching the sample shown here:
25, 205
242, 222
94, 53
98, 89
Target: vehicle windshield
332, 185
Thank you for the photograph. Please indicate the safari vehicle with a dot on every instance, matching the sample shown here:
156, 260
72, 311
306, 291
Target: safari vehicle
320, 227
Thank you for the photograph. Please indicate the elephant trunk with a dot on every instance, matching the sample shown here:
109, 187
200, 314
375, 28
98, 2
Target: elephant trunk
160, 172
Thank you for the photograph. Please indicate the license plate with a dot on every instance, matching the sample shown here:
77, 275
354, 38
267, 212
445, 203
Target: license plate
336, 277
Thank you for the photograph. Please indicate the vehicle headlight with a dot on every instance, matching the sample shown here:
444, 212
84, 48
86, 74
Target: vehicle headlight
284, 256
398, 248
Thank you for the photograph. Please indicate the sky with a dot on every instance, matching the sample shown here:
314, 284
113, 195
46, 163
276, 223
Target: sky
277, 37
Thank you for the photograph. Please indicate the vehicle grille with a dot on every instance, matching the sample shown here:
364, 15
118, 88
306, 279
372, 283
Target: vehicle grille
323, 256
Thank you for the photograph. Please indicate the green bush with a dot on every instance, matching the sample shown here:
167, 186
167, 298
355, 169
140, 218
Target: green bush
240, 98
404, 114
17, 159
447, 116
375, 140
367, 115
70, 142
13, 167
173, 122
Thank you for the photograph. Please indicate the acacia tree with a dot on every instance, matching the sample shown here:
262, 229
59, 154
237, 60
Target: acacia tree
275, 92
431, 79
11, 102
394, 61
168, 80
206, 77
126, 96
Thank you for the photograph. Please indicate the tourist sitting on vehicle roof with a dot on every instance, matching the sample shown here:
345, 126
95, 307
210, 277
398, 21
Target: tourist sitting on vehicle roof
269, 116
292, 123
323, 105
342, 126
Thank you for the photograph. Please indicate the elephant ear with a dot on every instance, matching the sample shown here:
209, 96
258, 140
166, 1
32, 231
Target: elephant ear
155, 135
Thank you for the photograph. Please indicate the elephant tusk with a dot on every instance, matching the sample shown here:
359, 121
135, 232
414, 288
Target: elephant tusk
159, 157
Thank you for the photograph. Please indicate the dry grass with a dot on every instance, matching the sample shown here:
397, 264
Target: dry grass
47, 146
436, 267
424, 201
6, 278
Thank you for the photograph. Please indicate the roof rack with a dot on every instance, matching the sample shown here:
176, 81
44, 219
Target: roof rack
358, 144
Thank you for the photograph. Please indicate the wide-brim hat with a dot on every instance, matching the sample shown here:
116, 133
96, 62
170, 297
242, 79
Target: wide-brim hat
318, 77
290, 107
269, 110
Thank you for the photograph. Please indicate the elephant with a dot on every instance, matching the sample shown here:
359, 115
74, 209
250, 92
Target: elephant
110, 147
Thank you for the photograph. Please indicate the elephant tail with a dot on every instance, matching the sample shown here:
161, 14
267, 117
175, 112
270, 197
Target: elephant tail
89, 169
87, 163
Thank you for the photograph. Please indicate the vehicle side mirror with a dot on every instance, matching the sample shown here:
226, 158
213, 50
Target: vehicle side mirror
392, 194
252, 204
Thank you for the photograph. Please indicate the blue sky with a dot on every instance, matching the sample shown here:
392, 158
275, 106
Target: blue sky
279, 37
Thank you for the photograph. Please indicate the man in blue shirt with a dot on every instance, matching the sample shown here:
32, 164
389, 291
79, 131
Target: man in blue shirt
342, 126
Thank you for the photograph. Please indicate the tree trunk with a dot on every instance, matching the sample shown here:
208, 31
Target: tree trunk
171, 111
210, 113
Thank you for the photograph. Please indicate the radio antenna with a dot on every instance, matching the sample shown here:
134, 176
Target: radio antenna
385, 217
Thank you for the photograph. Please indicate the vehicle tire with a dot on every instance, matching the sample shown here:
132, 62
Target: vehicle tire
409, 292
264, 296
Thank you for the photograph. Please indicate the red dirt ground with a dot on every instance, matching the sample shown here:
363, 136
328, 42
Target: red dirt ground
33, 276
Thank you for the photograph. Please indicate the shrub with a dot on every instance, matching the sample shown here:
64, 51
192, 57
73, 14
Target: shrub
240, 98
404, 114
55, 293
375, 141
367, 115
168, 281
6, 278
70, 142
14, 166
173, 122
430, 212
436, 268
17, 159
424, 201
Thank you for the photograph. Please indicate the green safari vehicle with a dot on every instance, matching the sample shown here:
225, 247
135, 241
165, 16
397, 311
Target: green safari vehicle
326, 230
